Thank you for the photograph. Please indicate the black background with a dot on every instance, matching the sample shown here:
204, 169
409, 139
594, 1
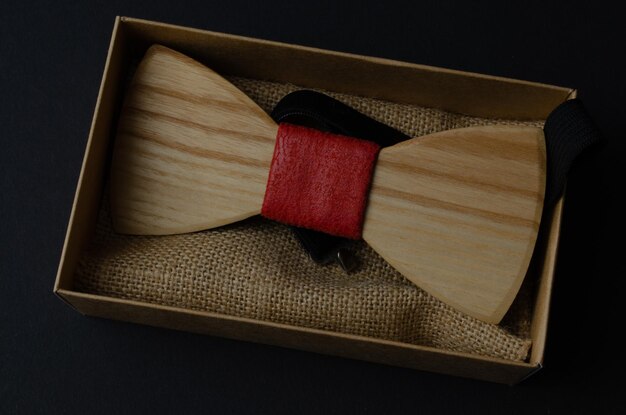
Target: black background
53, 360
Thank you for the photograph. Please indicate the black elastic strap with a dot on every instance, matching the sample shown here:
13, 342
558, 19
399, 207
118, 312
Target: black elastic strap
569, 130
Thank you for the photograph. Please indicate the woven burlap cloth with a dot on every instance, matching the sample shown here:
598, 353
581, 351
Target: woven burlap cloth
257, 269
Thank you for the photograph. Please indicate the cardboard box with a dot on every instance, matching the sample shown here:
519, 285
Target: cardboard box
454, 91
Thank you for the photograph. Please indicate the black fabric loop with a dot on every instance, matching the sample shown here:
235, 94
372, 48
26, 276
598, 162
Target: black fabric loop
569, 130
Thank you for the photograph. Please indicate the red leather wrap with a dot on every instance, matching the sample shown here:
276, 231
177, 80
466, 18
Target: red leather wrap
319, 180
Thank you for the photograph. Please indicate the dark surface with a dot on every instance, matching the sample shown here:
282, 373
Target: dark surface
54, 360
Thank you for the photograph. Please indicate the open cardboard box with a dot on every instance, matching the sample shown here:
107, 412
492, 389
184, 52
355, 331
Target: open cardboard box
454, 91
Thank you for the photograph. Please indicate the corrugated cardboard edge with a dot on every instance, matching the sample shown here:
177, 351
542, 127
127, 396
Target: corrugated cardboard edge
354, 74
327, 52
308, 339
77, 222
541, 314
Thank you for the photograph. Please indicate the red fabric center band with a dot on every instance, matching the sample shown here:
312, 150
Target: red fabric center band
319, 180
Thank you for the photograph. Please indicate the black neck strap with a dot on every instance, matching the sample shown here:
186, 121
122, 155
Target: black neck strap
569, 130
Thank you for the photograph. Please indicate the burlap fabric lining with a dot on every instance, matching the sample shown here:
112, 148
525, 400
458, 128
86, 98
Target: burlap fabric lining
256, 268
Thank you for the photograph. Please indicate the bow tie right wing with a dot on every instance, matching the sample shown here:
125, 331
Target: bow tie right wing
458, 212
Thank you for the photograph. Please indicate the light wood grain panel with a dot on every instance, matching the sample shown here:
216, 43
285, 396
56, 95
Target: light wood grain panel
192, 151
458, 213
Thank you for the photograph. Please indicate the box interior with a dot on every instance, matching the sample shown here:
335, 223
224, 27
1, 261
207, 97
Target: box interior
474, 95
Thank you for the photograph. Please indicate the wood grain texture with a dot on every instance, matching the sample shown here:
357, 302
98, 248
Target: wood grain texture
458, 212
192, 151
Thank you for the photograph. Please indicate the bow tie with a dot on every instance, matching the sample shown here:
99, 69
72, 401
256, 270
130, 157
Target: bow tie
456, 212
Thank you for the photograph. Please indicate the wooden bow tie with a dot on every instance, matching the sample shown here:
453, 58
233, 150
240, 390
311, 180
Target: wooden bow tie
456, 212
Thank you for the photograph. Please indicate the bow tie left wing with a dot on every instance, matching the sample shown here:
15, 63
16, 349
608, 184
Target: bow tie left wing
192, 151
